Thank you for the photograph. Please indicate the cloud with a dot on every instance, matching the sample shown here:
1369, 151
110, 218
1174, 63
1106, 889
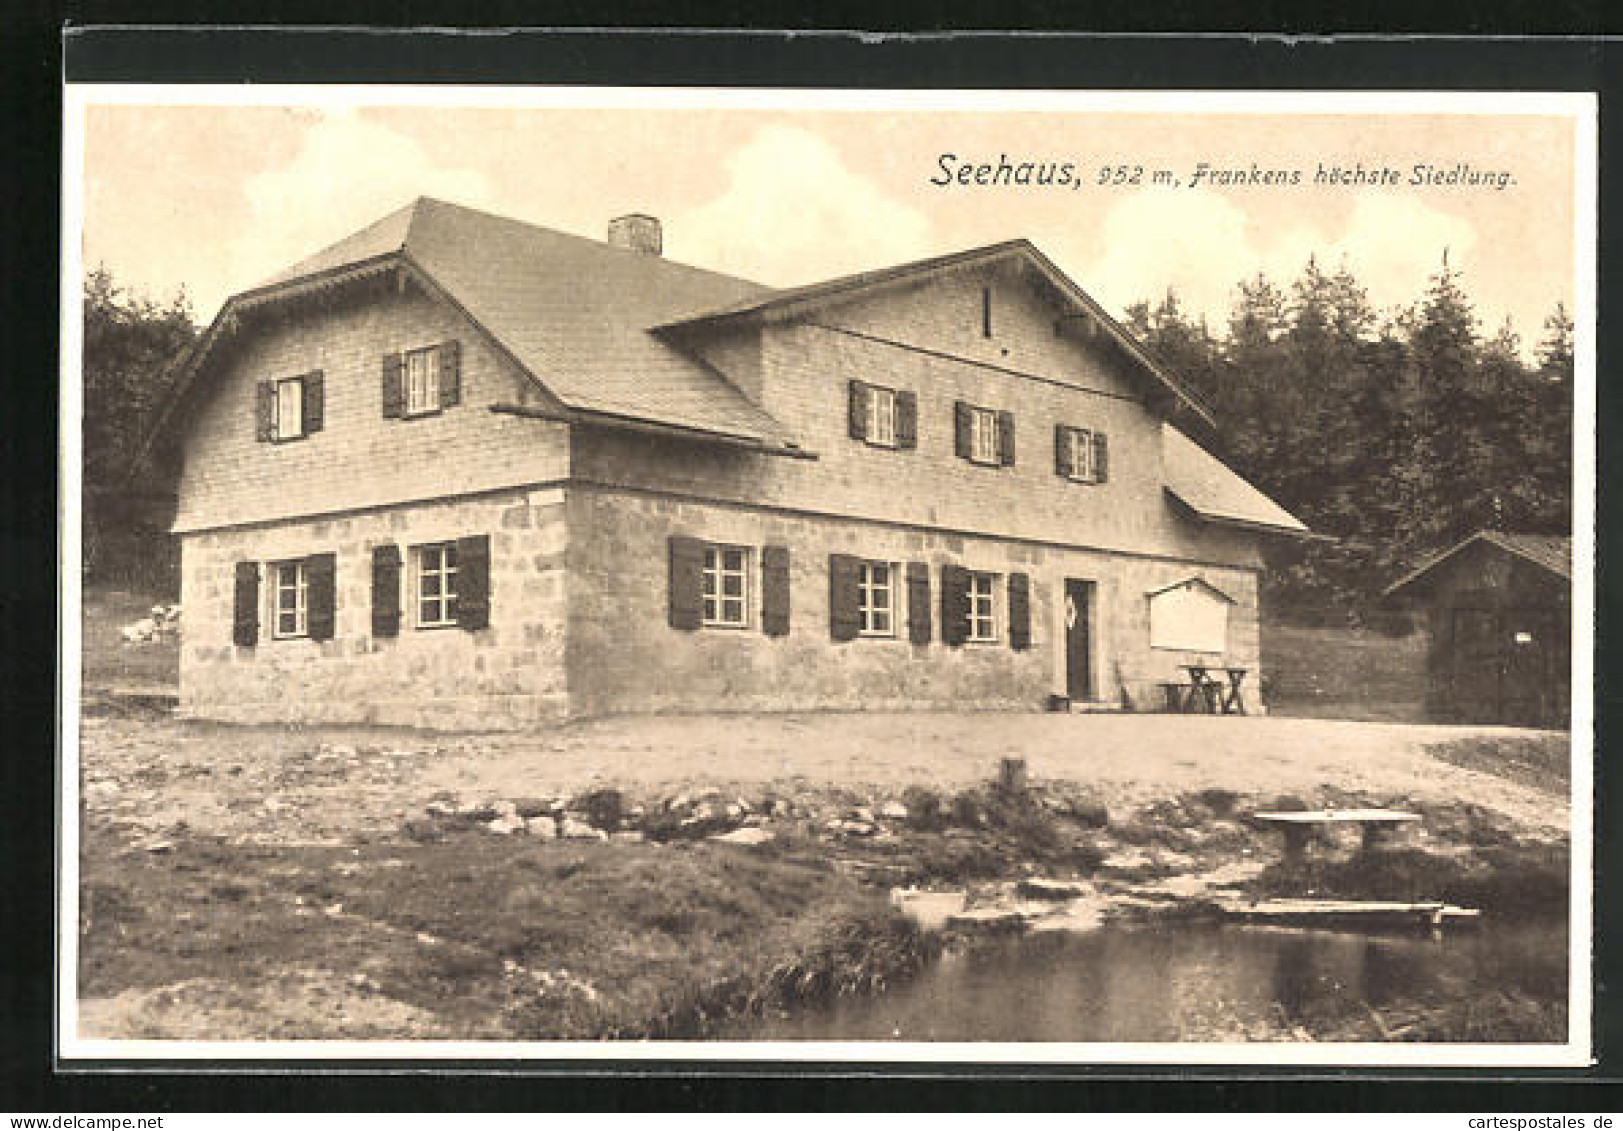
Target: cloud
1201, 244
794, 212
349, 172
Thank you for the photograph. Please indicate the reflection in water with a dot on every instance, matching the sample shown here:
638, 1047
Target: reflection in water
1184, 983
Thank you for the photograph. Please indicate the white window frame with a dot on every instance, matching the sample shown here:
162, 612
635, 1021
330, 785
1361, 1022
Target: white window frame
723, 564
881, 429
983, 435
877, 619
290, 582
1082, 469
982, 607
290, 408
444, 570
423, 391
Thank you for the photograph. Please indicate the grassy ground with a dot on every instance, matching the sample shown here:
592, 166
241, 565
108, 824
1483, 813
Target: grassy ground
1343, 673
471, 937
110, 663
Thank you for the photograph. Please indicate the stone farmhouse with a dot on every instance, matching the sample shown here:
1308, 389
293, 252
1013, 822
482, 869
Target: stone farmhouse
459, 471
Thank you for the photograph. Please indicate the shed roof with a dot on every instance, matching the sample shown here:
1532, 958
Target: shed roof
1207, 486
1550, 552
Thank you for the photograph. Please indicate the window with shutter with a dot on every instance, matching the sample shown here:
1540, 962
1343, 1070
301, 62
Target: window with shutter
472, 591
775, 590
686, 583
918, 602
1019, 612
436, 570
725, 586
288, 409
980, 607
983, 448
386, 590
844, 596
245, 608
881, 416
321, 571
876, 598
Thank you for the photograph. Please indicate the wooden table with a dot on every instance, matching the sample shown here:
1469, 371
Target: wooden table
1298, 824
1206, 693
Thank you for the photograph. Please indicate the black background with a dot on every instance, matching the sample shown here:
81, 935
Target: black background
38, 43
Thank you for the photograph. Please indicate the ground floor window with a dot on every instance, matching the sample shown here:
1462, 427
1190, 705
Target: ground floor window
436, 571
983, 607
726, 586
876, 598
290, 597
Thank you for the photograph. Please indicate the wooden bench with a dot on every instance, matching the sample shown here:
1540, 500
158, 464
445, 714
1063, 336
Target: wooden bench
1297, 825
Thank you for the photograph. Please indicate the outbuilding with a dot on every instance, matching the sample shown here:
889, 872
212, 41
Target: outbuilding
1500, 611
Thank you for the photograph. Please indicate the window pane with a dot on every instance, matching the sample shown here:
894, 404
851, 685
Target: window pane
733, 559
732, 611
733, 585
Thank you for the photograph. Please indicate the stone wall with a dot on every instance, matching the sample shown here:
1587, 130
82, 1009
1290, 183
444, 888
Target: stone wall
507, 675
624, 657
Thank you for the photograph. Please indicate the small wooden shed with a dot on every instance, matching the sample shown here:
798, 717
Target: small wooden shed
1500, 612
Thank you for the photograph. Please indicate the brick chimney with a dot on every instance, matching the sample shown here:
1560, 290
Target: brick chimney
636, 232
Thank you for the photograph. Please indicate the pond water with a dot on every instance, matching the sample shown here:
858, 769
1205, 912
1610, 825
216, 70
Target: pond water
1182, 983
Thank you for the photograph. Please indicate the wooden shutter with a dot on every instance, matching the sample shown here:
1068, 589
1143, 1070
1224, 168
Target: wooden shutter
394, 385
473, 582
954, 605
315, 400
386, 590
856, 410
1019, 612
907, 419
686, 593
775, 590
265, 412
1101, 458
918, 602
321, 609
1062, 452
844, 593
1005, 438
963, 430
245, 610
450, 359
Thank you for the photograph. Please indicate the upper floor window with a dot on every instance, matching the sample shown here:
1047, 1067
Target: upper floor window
983, 435
725, 587
290, 408
876, 599
1081, 454
885, 418
422, 382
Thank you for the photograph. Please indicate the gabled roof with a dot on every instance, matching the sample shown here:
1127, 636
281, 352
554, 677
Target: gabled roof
1206, 485
1193, 581
1550, 552
794, 301
572, 312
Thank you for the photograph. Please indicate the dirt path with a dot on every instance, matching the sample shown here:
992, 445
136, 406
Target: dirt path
328, 785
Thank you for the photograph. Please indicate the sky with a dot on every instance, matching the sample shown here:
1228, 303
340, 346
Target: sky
214, 199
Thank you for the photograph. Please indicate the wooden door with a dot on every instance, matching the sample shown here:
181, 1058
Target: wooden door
1078, 640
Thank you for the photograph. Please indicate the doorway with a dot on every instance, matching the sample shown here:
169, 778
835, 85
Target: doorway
1078, 613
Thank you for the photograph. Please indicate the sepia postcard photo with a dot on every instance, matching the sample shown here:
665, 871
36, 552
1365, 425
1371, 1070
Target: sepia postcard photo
837, 575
